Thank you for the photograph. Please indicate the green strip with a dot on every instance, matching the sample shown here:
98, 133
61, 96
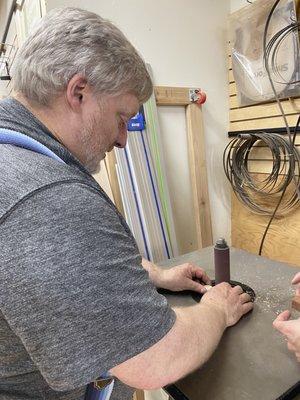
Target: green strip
152, 135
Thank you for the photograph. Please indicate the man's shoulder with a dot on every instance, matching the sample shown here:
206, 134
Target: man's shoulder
24, 172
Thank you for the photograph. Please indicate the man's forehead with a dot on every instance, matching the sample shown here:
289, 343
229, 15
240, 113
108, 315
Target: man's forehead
129, 104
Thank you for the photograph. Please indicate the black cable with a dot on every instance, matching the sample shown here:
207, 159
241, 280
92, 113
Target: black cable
279, 202
272, 47
274, 43
272, 50
266, 55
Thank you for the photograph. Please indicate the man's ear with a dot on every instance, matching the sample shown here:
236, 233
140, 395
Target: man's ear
77, 90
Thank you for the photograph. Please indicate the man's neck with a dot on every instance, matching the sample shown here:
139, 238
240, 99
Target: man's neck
44, 114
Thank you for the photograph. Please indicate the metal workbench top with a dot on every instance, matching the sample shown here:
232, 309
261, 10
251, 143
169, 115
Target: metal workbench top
252, 361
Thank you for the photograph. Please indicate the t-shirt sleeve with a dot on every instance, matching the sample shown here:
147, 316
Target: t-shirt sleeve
73, 288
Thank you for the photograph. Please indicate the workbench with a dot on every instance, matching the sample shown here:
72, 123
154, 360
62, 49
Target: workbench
252, 361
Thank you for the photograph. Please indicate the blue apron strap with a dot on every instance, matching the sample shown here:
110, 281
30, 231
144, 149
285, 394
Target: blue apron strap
102, 388
8, 136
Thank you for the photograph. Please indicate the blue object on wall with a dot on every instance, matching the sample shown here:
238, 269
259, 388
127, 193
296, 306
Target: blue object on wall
136, 123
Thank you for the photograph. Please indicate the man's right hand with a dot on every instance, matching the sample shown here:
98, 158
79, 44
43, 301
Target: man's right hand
191, 341
231, 300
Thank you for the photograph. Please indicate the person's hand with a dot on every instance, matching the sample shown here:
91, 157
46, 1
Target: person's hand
290, 329
232, 301
184, 277
296, 281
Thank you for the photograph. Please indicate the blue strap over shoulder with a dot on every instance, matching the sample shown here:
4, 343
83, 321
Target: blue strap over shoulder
102, 388
8, 136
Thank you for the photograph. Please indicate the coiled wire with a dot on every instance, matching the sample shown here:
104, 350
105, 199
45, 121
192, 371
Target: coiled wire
256, 193
282, 182
271, 50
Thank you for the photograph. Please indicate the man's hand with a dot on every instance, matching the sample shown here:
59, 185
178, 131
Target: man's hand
296, 281
290, 329
189, 343
182, 277
232, 301
195, 334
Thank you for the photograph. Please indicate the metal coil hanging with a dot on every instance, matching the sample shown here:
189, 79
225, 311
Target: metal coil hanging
281, 181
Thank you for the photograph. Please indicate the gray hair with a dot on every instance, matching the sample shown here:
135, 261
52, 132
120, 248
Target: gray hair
71, 40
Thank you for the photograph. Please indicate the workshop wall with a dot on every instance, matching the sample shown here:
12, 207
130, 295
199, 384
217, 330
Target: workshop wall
237, 4
185, 43
11, 49
4, 11
283, 239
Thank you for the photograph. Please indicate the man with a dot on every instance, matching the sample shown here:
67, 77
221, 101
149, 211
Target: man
75, 302
290, 328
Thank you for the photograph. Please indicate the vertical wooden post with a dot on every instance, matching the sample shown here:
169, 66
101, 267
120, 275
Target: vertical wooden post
139, 395
110, 162
198, 173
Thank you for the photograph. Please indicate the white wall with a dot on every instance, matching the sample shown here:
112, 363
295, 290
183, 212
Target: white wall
5, 6
185, 43
4, 11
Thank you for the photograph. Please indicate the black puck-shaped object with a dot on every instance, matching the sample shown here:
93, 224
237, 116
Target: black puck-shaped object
247, 289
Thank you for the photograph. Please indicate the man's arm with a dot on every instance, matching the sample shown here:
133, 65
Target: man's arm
75, 300
154, 272
190, 342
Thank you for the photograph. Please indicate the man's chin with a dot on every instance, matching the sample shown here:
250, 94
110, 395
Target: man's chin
94, 167
95, 170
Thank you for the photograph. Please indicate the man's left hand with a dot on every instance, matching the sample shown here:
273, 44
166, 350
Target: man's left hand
184, 277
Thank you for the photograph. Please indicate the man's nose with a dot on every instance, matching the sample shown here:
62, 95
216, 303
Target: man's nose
122, 137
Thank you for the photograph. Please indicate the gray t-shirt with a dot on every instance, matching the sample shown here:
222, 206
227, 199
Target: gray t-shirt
74, 298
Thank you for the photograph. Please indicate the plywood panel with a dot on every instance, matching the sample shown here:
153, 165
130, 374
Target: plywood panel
260, 166
232, 89
263, 123
233, 102
265, 110
282, 242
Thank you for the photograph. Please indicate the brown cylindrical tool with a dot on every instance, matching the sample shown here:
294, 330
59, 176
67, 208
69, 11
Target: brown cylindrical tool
222, 261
